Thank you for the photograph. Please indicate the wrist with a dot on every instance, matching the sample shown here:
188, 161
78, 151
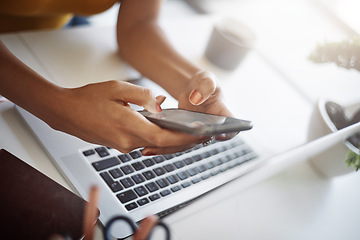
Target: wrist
49, 105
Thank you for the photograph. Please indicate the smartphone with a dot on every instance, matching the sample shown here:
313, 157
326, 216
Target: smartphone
196, 123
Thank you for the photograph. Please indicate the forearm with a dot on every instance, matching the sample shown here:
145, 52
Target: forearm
144, 45
24, 87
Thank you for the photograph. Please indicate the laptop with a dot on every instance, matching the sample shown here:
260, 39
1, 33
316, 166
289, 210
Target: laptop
135, 185
132, 184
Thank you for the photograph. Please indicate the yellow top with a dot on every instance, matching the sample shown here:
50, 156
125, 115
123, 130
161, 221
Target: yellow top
18, 15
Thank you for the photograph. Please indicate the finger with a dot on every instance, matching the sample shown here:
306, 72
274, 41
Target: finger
150, 151
146, 227
138, 95
204, 85
225, 136
56, 237
136, 131
160, 99
156, 136
90, 215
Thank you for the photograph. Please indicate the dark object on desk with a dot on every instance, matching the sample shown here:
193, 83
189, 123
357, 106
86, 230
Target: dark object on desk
337, 115
33, 206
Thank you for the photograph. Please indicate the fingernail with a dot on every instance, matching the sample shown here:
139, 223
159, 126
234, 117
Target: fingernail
158, 108
160, 99
195, 97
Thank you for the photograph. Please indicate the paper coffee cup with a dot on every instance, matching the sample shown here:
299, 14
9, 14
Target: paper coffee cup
229, 43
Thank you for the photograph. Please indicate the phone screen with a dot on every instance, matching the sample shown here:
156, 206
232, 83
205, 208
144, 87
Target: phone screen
196, 122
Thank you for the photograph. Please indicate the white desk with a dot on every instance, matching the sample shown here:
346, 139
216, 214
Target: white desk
295, 204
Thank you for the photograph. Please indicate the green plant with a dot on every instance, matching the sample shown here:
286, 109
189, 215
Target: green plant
353, 159
345, 54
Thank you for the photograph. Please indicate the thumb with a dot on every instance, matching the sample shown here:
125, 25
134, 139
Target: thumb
142, 97
204, 85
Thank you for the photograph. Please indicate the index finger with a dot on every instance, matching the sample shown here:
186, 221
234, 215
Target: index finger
145, 228
157, 136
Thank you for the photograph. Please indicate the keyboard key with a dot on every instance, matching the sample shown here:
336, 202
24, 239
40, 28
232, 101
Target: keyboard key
186, 184
138, 178
238, 142
127, 169
141, 191
159, 159
223, 148
162, 183
213, 152
131, 206
189, 161
127, 182
179, 154
149, 175
102, 151
206, 176
169, 167
106, 163
159, 171
154, 197
192, 171
125, 158
143, 201
152, 187
215, 172
210, 165
135, 154
165, 192
224, 168
179, 164
127, 196
183, 175
205, 155
176, 188
239, 154
232, 164
88, 152
148, 162
195, 180
217, 162
197, 158
138, 166
172, 179
169, 156
115, 186
201, 168
116, 173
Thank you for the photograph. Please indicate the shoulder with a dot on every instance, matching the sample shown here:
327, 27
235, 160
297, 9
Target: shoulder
38, 7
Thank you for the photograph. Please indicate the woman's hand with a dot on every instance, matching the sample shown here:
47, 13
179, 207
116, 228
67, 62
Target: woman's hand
100, 113
204, 95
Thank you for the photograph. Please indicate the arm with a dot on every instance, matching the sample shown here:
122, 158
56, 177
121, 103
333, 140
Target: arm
144, 45
25, 87
97, 113
140, 35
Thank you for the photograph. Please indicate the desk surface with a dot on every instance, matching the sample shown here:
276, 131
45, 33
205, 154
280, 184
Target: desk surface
295, 204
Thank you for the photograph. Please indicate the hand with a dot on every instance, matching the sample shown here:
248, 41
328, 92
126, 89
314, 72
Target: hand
204, 95
146, 227
100, 113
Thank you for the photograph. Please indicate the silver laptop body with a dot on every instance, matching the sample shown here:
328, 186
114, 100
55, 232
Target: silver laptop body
135, 185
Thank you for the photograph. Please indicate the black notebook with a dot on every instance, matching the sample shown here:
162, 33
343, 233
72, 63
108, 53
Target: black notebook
33, 206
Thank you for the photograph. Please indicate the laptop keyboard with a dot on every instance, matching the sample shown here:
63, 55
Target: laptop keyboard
137, 180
